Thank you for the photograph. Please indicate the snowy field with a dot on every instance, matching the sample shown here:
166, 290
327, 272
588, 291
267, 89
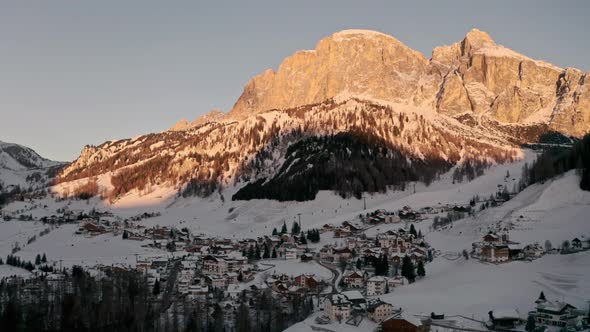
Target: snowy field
295, 268
556, 211
9, 271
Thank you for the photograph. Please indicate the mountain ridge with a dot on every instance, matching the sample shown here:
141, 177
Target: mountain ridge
473, 100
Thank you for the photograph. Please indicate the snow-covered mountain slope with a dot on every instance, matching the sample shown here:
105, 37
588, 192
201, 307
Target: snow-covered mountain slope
474, 100
22, 166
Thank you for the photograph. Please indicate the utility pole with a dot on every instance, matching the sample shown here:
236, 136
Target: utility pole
364, 202
299, 215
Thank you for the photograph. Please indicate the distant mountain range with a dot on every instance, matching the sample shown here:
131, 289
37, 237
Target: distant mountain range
24, 168
361, 112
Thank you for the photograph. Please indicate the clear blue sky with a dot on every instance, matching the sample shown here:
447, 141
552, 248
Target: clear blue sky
81, 72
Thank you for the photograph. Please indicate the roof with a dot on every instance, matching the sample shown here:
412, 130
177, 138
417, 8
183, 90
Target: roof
508, 314
353, 295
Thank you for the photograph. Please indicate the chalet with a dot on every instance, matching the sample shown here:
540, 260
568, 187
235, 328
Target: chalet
554, 314
492, 238
214, 265
495, 253
352, 226
533, 251
291, 253
341, 254
354, 279
216, 282
341, 232
338, 307
403, 325
376, 285
576, 244
310, 282
379, 310
503, 319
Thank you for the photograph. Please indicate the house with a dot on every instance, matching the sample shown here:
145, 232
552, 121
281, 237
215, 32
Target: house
533, 251
341, 232
403, 325
341, 254
309, 282
503, 319
576, 244
555, 314
354, 279
214, 265
379, 310
376, 285
491, 238
495, 253
357, 300
291, 253
338, 307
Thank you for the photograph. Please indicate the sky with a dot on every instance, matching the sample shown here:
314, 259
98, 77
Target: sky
74, 73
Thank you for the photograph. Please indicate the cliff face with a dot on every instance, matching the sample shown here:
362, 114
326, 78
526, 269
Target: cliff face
351, 62
474, 75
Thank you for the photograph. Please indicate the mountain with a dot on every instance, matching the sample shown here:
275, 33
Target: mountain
361, 112
23, 167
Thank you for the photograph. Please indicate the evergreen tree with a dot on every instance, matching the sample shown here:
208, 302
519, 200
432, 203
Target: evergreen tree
295, 229
274, 231
303, 240
530, 324
38, 260
420, 270
413, 230
240, 277
156, 289
257, 252
284, 228
542, 296
266, 253
420, 234
44, 258
359, 264
408, 269
125, 235
274, 253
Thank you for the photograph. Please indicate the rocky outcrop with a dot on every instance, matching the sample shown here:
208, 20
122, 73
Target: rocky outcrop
474, 75
351, 62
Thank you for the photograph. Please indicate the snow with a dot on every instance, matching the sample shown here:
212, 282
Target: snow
9, 271
295, 268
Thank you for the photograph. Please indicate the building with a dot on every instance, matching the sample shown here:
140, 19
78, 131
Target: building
403, 325
376, 285
504, 319
495, 253
379, 311
354, 279
554, 313
214, 265
338, 307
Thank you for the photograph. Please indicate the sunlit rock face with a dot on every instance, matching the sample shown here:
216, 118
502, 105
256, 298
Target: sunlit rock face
474, 75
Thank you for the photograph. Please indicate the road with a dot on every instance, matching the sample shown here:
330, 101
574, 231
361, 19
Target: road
335, 275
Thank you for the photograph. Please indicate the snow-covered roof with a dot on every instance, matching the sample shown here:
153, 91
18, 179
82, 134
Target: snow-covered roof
505, 314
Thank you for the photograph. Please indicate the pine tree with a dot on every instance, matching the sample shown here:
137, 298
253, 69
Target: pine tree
156, 289
408, 269
295, 228
257, 252
284, 228
266, 253
413, 230
125, 235
420, 234
542, 296
274, 253
38, 260
420, 270
303, 240
359, 264
44, 258
530, 324
274, 231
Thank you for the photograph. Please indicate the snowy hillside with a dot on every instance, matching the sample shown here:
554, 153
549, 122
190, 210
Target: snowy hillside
22, 166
